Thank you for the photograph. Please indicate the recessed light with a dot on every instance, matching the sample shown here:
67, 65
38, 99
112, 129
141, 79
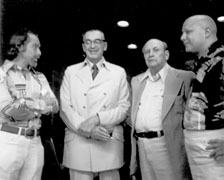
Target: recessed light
123, 23
132, 46
220, 18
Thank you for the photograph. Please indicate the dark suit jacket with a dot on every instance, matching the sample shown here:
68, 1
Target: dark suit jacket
177, 88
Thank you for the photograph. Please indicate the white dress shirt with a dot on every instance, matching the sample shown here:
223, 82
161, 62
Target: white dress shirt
150, 106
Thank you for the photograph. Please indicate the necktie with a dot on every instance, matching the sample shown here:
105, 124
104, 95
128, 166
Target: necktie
95, 71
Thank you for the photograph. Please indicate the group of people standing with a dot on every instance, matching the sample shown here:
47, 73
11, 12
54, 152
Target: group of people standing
177, 116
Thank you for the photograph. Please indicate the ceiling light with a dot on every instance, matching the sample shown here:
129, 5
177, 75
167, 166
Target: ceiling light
132, 46
123, 23
220, 18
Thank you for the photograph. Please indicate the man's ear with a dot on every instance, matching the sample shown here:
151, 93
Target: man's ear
105, 46
83, 47
167, 54
207, 32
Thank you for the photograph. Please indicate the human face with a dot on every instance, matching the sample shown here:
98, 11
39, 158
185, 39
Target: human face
193, 36
155, 55
94, 45
31, 50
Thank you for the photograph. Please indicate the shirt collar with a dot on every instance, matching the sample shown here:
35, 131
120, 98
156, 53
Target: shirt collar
10, 65
13, 65
162, 73
100, 64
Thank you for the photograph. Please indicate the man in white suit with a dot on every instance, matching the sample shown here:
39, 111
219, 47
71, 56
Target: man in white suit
158, 100
94, 101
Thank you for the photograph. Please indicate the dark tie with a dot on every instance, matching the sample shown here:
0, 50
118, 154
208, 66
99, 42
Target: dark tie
95, 71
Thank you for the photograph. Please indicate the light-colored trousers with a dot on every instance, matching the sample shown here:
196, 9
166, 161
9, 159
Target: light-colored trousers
202, 166
83, 175
21, 158
154, 159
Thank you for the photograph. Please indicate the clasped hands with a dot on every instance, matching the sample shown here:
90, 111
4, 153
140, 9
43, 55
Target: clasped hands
91, 128
27, 108
39, 106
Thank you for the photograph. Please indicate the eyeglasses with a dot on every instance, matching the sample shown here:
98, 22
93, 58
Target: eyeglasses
88, 42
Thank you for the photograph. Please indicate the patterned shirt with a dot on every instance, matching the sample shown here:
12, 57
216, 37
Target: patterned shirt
206, 103
25, 96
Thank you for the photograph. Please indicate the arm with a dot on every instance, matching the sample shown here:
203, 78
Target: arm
5, 98
106, 120
67, 112
47, 96
47, 102
10, 107
188, 85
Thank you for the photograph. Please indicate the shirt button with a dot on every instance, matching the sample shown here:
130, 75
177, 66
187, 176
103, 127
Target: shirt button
85, 94
84, 107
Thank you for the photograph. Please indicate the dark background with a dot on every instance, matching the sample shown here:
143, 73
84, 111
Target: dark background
60, 25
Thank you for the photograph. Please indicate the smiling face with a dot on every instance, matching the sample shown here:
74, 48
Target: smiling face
155, 54
94, 45
193, 36
30, 51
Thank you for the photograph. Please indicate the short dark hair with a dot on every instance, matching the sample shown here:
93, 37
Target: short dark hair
18, 39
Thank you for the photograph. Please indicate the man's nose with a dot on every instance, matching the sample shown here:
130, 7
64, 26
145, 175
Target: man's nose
92, 44
39, 52
150, 53
182, 37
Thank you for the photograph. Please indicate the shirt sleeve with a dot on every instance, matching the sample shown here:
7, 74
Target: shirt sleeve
48, 98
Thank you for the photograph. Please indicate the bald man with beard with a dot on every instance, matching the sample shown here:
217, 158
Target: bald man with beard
204, 117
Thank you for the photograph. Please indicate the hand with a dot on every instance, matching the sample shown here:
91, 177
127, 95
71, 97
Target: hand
38, 105
18, 111
48, 99
86, 127
217, 147
133, 177
100, 133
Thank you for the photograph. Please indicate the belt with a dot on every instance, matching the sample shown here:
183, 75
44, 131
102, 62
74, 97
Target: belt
27, 132
150, 134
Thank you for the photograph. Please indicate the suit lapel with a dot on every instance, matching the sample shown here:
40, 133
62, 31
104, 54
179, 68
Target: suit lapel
172, 87
140, 85
84, 75
103, 75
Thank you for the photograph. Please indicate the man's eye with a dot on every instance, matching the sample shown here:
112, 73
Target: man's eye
87, 42
97, 41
